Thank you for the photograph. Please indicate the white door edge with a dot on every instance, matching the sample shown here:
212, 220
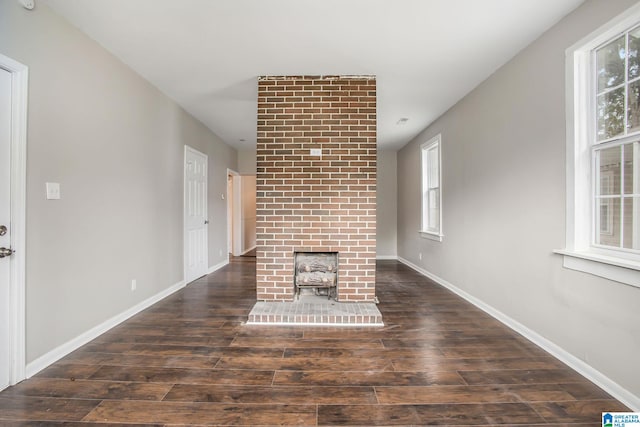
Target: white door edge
231, 216
17, 303
238, 231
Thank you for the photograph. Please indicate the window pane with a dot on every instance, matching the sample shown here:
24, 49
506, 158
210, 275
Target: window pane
631, 222
611, 114
634, 48
609, 172
610, 64
431, 186
425, 209
608, 232
631, 152
434, 175
633, 109
434, 210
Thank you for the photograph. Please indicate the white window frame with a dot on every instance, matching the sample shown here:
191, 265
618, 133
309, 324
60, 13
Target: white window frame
425, 231
580, 253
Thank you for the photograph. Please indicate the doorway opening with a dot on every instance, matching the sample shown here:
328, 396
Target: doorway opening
241, 213
232, 210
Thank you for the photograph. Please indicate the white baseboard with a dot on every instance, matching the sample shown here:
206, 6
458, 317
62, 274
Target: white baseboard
218, 266
587, 371
248, 250
59, 352
387, 257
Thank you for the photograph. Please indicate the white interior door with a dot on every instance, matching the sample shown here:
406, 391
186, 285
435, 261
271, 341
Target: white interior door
230, 213
5, 226
195, 214
237, 216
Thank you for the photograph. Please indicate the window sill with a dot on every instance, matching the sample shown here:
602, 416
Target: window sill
613, 268
431, 235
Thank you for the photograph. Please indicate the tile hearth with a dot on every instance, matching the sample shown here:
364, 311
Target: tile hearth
315, 310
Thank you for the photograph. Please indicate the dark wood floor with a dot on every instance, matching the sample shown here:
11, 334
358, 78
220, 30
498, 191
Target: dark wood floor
189, 360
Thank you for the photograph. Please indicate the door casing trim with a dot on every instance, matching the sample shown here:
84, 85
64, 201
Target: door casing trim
17, 296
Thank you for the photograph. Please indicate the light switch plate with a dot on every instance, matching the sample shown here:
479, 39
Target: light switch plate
53, 191
316, 152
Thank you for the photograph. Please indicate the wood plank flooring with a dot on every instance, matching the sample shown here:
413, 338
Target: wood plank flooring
190, 361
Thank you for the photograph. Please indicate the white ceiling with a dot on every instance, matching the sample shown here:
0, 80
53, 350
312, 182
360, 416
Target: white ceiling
207, 54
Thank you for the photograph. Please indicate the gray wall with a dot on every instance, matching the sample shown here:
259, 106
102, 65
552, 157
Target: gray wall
115, 144
386, 212
247, 162
503, 153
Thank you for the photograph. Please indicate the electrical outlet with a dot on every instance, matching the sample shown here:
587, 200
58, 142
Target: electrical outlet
28, 4
420, 256
134, 284
53, 190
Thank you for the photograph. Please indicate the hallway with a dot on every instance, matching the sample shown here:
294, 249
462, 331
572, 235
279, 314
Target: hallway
190, 360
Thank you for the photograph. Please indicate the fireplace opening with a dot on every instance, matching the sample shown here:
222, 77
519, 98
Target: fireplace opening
318, 272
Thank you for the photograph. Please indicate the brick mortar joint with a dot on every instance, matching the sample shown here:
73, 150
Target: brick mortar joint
320, 77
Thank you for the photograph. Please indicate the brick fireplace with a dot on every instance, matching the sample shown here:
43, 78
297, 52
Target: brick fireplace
316, 181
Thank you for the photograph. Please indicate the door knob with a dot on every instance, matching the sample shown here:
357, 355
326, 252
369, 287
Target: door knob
3, 230
5, 252
206, 221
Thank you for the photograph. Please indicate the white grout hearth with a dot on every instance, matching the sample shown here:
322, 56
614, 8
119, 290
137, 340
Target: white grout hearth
315, 310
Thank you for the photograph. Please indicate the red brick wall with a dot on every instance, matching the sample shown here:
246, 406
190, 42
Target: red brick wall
316, 203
